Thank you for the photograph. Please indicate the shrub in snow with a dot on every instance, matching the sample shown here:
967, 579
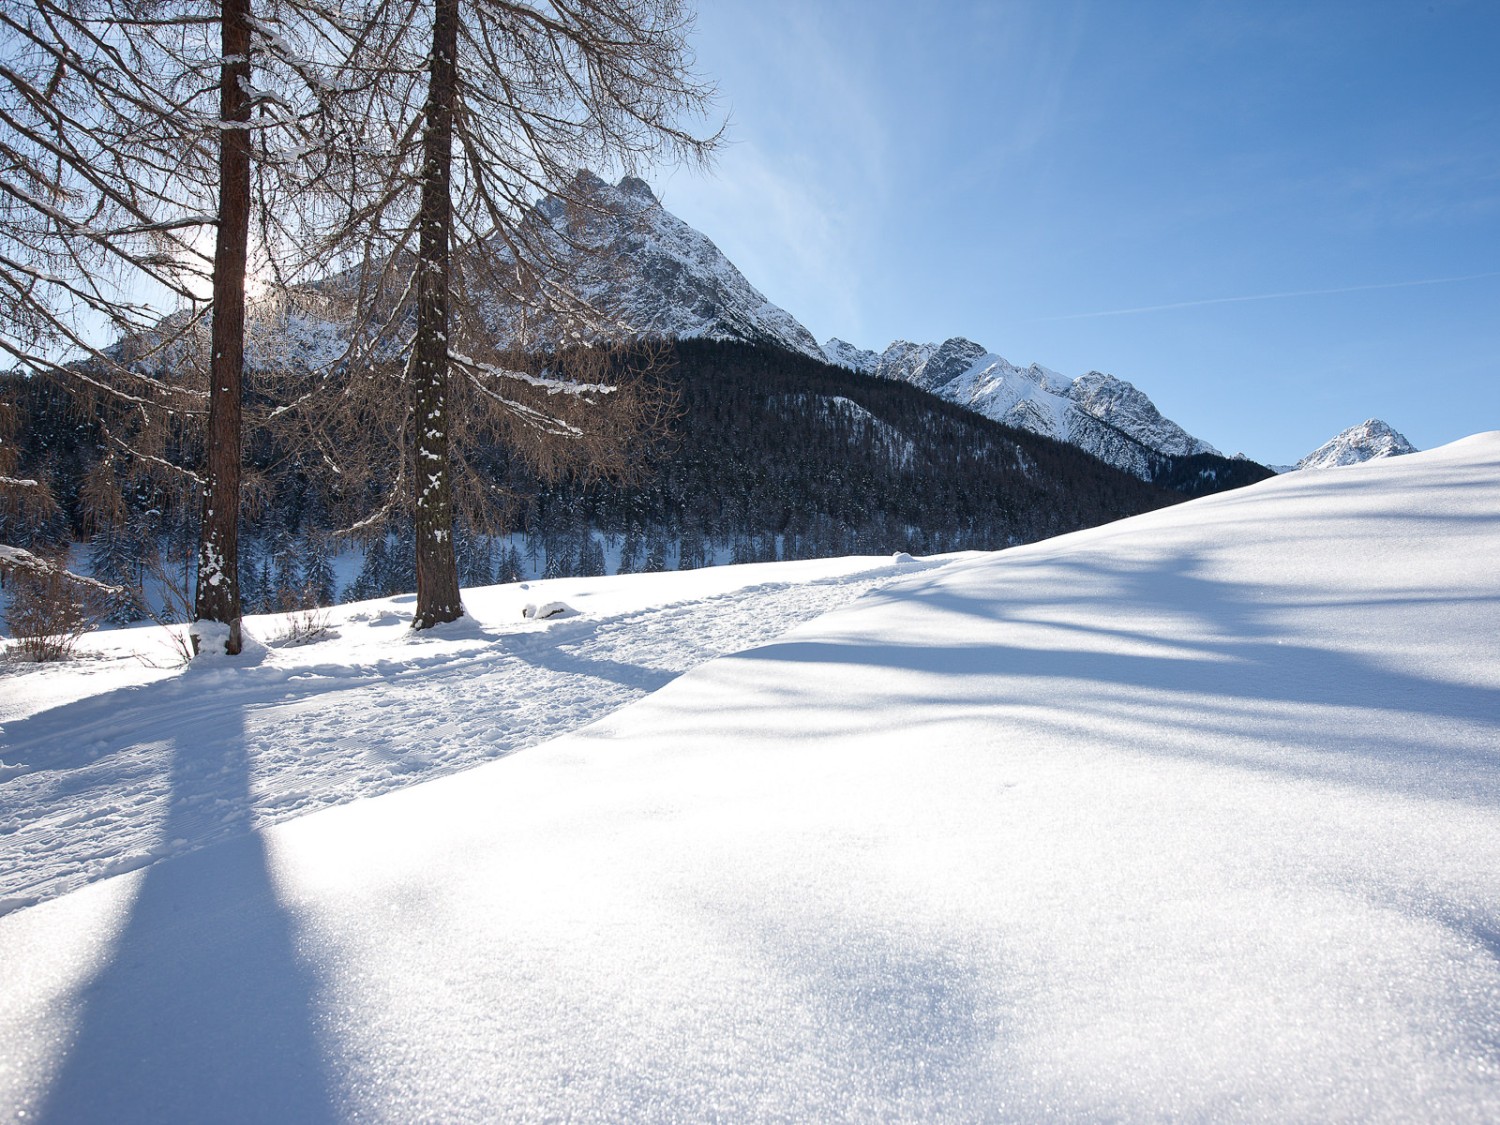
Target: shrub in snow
46, 616
304, 627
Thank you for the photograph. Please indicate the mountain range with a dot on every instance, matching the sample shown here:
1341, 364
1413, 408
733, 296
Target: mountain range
648, 269
782, 447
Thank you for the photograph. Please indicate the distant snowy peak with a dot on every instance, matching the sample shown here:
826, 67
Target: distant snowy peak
1106, 416
1121, 405
1365, 442
903, 360
647, 269
841, 353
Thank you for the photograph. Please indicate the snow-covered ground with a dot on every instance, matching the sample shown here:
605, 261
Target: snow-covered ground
1195, 815
104, 784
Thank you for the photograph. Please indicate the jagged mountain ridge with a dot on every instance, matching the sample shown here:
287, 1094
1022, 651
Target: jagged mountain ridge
637, 265
1099, 413
1365, 442
642, 267
634, 265
635, 268
632, 269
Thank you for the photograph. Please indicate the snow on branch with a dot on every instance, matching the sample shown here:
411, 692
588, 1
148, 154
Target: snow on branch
543, 381
375, 518
532, 417
24, 562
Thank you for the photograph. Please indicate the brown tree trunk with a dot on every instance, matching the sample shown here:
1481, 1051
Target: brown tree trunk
437, 567
218, 593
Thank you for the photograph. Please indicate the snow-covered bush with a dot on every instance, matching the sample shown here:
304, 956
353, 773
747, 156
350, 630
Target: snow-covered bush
47, 614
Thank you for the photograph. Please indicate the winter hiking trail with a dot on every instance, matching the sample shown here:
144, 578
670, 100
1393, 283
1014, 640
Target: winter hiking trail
160, 763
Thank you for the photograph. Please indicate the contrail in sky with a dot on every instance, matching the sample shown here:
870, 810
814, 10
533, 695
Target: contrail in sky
1274, 296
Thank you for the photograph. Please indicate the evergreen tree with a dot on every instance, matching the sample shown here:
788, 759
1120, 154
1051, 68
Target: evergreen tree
402, 560
318, 581
591, 558
656, 556
374, 572
475, 554
631, 554
692, 552
510, 569
114, 558
286, 593
265, 586
253, 576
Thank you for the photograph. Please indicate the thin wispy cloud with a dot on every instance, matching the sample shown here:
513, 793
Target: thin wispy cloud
1274, 296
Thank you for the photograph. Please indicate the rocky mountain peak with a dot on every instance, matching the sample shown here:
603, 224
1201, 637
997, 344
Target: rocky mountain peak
1120, 404
637, 188
952, 359
1370, 439
903, 360
841, 353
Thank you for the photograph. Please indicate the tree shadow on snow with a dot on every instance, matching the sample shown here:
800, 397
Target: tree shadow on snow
204, 1012
1230, 666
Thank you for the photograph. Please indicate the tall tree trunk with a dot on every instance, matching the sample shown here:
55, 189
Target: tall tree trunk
218, 593
437, 568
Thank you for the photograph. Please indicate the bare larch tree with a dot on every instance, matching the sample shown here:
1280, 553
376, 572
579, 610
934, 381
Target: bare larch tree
128, 129
484, 106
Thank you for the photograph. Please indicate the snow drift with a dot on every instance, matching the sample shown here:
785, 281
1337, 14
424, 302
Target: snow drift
1194, 815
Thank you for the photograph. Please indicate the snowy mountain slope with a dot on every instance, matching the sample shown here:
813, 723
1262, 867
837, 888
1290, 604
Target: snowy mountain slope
1147, 821
642, 270
1357, 444
1105, 416
844, 413
841, 353
632, 268
648, 269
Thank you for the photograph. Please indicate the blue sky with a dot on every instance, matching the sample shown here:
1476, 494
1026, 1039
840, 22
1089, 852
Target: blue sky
1021, 173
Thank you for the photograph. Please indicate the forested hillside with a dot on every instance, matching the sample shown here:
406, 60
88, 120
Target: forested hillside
770, 455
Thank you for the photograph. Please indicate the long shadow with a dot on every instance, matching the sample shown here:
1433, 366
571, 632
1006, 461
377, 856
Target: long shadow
1232, 661
204, 1012
554, 655
70, 734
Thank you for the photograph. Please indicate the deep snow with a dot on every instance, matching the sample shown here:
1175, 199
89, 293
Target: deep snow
1194, 815
368, 708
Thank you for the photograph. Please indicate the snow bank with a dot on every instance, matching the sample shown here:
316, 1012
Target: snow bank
1196, 815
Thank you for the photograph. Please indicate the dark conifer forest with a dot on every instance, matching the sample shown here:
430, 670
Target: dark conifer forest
770, 455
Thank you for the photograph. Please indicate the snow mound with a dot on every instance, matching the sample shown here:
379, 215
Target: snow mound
544, 610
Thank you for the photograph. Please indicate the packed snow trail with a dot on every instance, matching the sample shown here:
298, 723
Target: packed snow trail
1194, 816
113, 782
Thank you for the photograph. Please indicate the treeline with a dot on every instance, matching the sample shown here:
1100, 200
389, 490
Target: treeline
830, 462
771, 456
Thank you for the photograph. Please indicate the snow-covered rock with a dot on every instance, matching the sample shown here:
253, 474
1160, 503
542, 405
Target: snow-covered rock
1364, 442
547, 609
841, 353
653, 274
1101, 414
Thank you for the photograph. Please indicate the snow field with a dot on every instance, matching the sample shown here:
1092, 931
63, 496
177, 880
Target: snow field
1195, 815
149, 760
